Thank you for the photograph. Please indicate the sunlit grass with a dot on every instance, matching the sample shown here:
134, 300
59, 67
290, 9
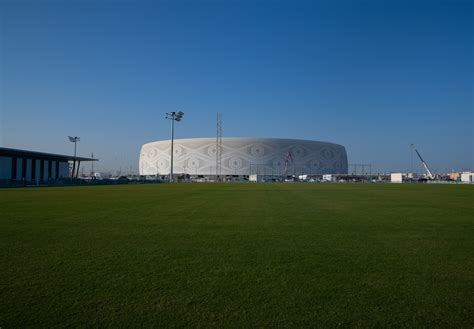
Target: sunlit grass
241, 255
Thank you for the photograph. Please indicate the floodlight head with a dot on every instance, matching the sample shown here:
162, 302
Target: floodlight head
176, 116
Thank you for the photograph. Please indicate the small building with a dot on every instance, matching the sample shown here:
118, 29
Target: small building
455, 176
328, 178
22, 166
396, 177
467, 177
256, 178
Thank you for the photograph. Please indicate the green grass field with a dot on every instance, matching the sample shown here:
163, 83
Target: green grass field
238, 255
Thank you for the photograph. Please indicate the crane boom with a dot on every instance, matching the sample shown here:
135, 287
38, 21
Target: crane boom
428, 171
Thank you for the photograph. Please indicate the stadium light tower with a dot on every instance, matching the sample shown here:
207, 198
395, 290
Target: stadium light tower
74, 140
173, 116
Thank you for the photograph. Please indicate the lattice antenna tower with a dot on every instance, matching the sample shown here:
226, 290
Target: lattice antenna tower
218, 146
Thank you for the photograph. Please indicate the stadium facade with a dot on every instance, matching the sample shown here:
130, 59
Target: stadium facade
243, 157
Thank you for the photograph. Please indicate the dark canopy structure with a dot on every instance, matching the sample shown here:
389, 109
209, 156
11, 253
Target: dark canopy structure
28, 165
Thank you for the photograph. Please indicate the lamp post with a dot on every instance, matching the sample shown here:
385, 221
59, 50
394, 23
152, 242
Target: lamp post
74, 140
173, 116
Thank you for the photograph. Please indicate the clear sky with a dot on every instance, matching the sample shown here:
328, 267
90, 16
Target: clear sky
374, 76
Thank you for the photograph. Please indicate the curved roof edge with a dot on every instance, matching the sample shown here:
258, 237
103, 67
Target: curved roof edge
243, 138
5, 151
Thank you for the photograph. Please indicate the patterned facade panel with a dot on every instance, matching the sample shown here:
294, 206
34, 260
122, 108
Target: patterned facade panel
243, 156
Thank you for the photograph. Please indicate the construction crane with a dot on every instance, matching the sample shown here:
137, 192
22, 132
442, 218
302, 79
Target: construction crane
428, 171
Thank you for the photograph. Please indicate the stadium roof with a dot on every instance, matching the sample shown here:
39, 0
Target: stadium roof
40, 155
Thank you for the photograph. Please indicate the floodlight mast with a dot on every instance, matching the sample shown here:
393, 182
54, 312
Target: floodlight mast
92, 163
74, 140
173, 116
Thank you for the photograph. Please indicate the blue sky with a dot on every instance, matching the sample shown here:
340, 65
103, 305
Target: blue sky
374, 76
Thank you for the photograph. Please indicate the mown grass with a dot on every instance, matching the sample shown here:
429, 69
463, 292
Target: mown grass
238, 255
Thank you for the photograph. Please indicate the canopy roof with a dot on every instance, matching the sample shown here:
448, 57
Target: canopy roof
8, 152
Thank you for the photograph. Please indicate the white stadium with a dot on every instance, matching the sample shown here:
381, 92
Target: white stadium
243, 157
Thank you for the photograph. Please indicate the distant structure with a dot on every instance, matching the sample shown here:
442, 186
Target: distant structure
429, 174
242, 157
467, 177
35, 167
219, 146
287, 162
